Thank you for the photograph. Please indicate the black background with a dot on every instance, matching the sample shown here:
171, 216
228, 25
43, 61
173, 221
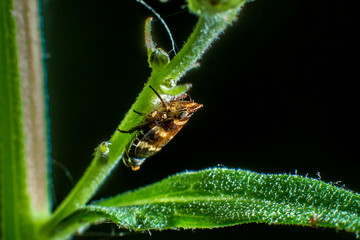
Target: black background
279, 89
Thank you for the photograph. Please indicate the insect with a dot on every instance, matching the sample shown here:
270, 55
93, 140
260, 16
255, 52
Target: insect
158, 128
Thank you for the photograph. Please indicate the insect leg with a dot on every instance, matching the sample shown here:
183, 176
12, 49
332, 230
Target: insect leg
137, 128
124, 131
131, 130
141, 114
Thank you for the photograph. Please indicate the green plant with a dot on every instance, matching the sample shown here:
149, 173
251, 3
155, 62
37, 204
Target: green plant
206, 199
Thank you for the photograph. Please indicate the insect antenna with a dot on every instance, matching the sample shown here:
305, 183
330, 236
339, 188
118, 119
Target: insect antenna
162, 100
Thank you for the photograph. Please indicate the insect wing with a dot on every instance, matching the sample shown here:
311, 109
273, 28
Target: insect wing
155, 139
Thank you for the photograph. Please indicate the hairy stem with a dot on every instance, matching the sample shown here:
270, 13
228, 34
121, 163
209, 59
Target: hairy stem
207, 30
16, 208
33, 94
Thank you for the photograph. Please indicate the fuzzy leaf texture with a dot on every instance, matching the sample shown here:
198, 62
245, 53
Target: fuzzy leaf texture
222, 197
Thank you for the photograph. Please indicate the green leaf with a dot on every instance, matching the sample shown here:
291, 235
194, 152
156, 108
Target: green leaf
178, 89
222, 197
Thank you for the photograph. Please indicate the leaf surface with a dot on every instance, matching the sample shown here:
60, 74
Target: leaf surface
222, 197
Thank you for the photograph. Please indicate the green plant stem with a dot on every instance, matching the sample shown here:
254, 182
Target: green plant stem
16, 215
30, 57
206, 31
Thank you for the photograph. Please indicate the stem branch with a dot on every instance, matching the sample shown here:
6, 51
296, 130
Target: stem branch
206, 31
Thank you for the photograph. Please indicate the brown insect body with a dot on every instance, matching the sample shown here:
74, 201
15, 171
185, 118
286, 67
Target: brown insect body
159, 127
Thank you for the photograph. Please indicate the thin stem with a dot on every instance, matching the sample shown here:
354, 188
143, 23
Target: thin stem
206, 31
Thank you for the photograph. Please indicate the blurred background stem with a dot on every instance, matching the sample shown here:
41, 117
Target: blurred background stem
32, 75
23, 142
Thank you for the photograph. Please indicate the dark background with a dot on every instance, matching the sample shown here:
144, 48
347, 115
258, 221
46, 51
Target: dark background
279, 89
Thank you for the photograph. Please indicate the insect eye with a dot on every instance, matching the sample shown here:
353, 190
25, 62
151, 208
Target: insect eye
183, 115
